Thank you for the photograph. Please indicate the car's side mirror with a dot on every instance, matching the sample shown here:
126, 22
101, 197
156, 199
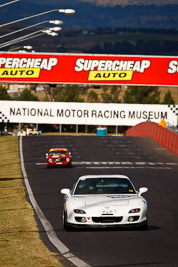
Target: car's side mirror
46, 155
142, 190
70, 153
65, 191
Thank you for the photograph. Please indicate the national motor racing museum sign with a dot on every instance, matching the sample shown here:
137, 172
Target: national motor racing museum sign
88, 69
85, 113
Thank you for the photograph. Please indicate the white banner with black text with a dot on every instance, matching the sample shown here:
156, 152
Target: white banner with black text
85, 113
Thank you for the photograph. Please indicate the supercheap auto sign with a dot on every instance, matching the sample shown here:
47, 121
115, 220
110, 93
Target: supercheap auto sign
88, 69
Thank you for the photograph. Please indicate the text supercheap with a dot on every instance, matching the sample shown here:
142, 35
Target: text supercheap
110, 65
41, 63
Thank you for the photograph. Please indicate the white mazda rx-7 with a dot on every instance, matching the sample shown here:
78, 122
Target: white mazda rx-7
104, 201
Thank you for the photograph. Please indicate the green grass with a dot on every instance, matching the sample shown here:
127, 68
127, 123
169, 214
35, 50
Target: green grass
20, 243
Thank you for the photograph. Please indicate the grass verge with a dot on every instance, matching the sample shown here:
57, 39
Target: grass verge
20, 244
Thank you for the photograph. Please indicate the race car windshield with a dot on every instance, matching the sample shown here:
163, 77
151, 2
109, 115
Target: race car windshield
58, 152
104, 186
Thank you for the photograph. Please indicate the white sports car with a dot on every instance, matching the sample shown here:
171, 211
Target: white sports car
104, 201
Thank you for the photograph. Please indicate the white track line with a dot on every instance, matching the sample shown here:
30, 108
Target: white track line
128, 167
119, 165
46, 224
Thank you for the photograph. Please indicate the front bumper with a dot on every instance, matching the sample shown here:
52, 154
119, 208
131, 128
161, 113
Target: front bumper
126, 220
59, 163
105, 226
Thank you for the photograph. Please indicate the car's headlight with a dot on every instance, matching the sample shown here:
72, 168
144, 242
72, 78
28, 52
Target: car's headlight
79, 211
134, 211
50, 160
67, 159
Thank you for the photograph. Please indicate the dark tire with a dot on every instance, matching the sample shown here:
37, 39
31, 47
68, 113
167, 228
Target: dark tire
144, 227
69, 166
65, 224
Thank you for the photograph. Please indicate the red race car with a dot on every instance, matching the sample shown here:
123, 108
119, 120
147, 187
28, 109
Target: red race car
58, 157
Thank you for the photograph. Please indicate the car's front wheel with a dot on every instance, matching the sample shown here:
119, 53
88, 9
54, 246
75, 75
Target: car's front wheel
144, 227
69, 165
65, 223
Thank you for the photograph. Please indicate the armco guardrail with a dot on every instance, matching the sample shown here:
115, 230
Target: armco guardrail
163, 136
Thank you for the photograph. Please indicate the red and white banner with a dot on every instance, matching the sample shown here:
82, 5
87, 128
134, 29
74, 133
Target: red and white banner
88, 69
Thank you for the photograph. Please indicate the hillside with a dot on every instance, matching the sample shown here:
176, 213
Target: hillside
43, 96
107, 41
131, 2
89, 15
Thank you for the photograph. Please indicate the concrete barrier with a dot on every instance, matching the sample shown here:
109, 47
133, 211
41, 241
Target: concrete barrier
163, 136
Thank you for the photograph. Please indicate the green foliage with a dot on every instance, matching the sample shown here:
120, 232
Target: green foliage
142, 95
92, 97
168, 99
111, 95
69, 93
4, 94
26, 95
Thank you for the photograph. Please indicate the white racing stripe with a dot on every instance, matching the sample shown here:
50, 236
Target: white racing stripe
128, 167
46, 224
120, 164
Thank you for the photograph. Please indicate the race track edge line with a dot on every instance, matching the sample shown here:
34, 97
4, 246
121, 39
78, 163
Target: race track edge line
46, 224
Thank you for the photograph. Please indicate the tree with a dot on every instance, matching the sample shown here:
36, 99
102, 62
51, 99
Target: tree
51, 91
168, 99
26, 95
69, 93
139, 46
4, 94
111, 95
116, 48
107, 48
127, 48
142, 95
92, 97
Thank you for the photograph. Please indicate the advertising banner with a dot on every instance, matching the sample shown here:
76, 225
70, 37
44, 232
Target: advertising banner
86, 113
88, 69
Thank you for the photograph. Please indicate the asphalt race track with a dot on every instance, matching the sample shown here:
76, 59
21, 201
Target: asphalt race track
145, 162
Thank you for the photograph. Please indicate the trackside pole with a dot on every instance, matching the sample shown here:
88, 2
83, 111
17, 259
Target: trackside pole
60, 128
